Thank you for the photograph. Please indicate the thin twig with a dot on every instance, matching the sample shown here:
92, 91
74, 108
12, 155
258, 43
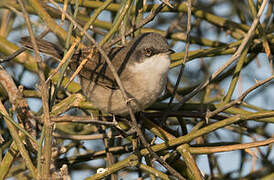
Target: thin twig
123, 91
215, 149
85, 137
230, 61
19, 127
179, 77
45, 98
149, 18
22, 49
68, 57
82, 119
239, 99
19, 143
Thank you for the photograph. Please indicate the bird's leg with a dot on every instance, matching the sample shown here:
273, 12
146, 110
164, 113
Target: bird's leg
129, 132
130, 99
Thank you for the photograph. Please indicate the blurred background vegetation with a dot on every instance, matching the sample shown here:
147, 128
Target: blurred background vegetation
219, 95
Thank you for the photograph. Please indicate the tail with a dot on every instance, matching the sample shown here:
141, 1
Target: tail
44, 47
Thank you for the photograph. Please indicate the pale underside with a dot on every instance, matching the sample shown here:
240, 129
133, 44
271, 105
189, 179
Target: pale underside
144, 86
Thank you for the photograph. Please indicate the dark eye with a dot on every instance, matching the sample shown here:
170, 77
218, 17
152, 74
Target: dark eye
148, 52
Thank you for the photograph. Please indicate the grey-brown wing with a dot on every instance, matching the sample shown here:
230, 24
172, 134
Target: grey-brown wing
96, 68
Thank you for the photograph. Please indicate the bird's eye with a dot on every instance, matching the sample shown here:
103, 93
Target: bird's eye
148, 52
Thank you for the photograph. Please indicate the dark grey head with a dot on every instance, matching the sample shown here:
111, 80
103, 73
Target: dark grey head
147, 45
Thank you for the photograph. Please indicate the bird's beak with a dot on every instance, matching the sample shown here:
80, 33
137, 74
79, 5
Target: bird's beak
170, 51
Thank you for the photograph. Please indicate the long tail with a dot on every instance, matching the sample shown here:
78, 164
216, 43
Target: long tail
44, 47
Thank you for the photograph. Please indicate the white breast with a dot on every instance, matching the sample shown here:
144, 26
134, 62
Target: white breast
152, 77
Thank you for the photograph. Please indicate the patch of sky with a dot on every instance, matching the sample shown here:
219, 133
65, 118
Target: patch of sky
34, 104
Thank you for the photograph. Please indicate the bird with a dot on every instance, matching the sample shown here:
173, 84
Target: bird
142, 65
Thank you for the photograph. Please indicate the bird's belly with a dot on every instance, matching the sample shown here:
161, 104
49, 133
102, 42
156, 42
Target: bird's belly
105, 99
148, 90
111, 101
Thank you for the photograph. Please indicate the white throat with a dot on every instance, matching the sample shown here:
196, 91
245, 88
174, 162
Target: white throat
155, 65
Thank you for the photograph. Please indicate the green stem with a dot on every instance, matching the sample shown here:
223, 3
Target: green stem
116, 25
